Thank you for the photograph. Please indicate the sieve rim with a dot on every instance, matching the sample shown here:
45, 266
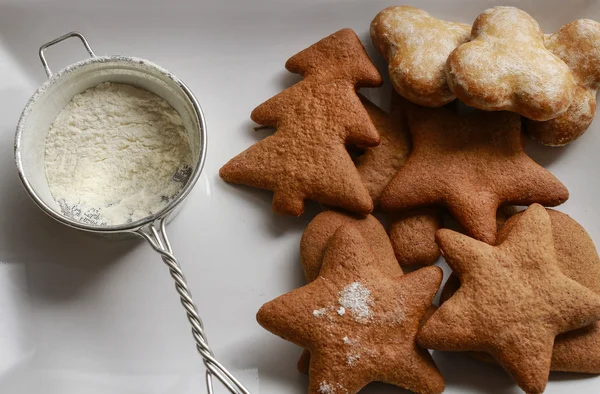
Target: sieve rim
138, 224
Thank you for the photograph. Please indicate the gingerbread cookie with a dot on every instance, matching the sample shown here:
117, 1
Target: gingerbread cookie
314, 243
306, 158
320, 230
412, 233
471, 164
513, 300
578, 45
413, 236
506, 66
359, 323
578, 350
378, 165
416, 46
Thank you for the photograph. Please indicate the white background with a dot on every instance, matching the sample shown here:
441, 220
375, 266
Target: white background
84, 315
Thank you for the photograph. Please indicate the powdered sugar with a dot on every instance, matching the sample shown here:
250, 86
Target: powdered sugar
320, 312
578, 45
353, 355
426, 41
116, 154
352, 359
330, 388
507, 62
357, 299
326, 388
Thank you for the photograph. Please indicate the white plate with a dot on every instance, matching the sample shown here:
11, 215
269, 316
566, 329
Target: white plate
84, 315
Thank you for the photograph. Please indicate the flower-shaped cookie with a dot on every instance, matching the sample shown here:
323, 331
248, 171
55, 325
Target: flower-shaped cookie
506, 66
578, 45
416, 46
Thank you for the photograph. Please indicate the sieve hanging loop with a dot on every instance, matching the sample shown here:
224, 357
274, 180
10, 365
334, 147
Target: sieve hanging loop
158, 239
60, 39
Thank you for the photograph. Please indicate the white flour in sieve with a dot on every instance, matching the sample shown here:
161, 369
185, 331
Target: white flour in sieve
116, 154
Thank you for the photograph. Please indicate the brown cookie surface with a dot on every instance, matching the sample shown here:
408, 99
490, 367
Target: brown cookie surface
506, 66
413, 236
470, 164
378, 165
358, 323
578, 350
306, 158
578, 45
412, 233
319, 231
314, 243
513, 300
416, 46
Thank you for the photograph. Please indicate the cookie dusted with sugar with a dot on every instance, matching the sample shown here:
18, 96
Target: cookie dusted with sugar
359, 323
306, 158
416, 46
506, 66
314, 243
470, 164
576, 255
513, 300
578, 45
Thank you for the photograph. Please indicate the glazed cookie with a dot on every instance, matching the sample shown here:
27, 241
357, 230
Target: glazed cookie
578, 350
513, 300
416, 46
578, 45
306, 158
471, 164
359, 323
506, 66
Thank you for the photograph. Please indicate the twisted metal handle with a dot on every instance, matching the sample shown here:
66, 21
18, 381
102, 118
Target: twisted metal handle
159, 241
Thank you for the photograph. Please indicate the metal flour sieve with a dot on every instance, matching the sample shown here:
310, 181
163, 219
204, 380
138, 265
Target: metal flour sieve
30, 139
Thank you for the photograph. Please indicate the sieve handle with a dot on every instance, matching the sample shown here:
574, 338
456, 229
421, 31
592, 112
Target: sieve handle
156, 235
60, 39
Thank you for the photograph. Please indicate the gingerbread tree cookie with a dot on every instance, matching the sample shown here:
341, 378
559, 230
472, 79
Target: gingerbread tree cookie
306, 158
506, 66
358, 323
513, 300
470, 164
578, 45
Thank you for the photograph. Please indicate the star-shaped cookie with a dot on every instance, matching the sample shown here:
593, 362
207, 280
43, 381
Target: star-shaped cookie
512, 302
471, 164
577, 350
413, 232
358, 323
